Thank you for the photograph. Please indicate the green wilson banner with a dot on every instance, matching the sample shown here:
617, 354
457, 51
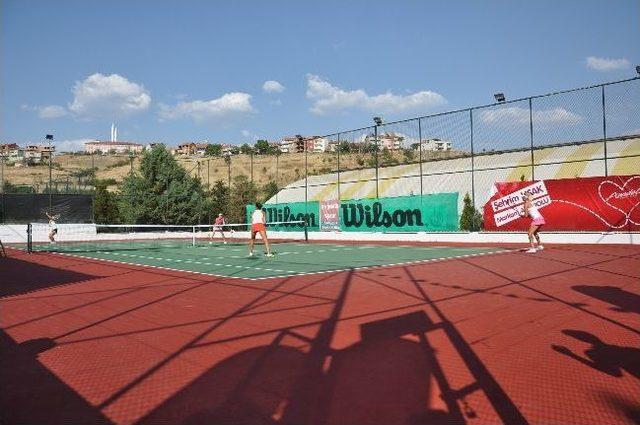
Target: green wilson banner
434, 212
290, 211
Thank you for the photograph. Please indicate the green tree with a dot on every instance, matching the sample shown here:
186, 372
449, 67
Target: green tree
263, 148
471, 218
386, 158
246, 149
243, 192
344, 147
105, 207
17, 188
162, 192
269, 190
214, 149
219, 200
408, 155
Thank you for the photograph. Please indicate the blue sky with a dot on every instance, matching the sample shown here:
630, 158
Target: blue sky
236, 71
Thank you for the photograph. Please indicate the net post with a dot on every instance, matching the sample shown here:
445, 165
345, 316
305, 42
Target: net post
306, 231
29, 238
193, 236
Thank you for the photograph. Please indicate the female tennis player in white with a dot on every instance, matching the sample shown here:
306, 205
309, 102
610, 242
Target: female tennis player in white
53, 227
537, 221
258, 221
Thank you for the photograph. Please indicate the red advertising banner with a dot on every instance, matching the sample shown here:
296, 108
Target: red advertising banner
329, 219
591, 203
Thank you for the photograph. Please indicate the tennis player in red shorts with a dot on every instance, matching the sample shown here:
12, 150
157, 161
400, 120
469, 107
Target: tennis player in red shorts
258, 221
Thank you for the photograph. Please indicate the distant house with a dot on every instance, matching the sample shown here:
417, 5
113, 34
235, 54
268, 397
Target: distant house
434, 145
38, 153
152, 145
298, 145
390, 141
112, 147
191, 148
228, 149
317, 144
288, 145
11, 152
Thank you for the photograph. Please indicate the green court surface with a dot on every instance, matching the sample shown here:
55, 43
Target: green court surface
290, 258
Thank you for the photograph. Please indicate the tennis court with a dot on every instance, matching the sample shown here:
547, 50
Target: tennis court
232, 260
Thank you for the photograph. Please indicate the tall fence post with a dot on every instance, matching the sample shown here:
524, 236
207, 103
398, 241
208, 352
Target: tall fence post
306, 176
50, 181
420, 153
277, 171
2, 173
375, 140
533, 175
473, 167
604, 133
338, 150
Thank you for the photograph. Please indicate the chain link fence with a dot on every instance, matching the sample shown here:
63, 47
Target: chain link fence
591, 131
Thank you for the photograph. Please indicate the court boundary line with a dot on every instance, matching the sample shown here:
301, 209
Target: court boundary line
380, 266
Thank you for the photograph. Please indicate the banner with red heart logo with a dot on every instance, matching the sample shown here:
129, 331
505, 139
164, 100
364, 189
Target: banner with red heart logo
580, 204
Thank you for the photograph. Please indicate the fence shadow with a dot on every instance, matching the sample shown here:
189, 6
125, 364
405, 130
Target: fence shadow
622, 301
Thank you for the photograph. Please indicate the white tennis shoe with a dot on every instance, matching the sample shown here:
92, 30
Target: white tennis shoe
530, 251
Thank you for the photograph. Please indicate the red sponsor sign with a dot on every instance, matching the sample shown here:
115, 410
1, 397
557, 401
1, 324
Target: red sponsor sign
591, 203
329, 219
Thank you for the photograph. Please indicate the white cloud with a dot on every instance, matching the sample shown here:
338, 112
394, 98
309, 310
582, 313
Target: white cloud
272, 87
108, 96
49, 111
229, 105
328, 98
509, 116
74, 145
606, 64
249, 135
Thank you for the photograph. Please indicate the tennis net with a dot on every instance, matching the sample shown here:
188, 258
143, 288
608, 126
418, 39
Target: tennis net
116, 237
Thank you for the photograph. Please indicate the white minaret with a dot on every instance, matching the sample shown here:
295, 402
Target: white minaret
114, 133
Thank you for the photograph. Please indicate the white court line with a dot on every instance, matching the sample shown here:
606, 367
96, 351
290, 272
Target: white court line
291, 273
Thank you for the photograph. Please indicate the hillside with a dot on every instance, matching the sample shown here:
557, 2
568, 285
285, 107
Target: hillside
70, 170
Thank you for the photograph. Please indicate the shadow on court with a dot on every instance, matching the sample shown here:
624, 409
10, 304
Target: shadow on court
47, 400
606, 358
384, 378
19, 276
621, 300
385, 346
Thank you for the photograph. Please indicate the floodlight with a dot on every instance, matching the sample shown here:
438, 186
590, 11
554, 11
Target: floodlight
499, 97
638, 69
49, 137
377, 120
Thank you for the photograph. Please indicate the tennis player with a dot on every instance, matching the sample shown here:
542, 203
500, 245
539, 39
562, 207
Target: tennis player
537, 221
258, 221
53, 227
218, 227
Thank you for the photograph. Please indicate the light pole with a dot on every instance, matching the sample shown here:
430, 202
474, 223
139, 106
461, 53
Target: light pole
49, 138
2, 173
377, 121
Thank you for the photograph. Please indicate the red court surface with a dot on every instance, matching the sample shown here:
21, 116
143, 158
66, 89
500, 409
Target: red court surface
549, 338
